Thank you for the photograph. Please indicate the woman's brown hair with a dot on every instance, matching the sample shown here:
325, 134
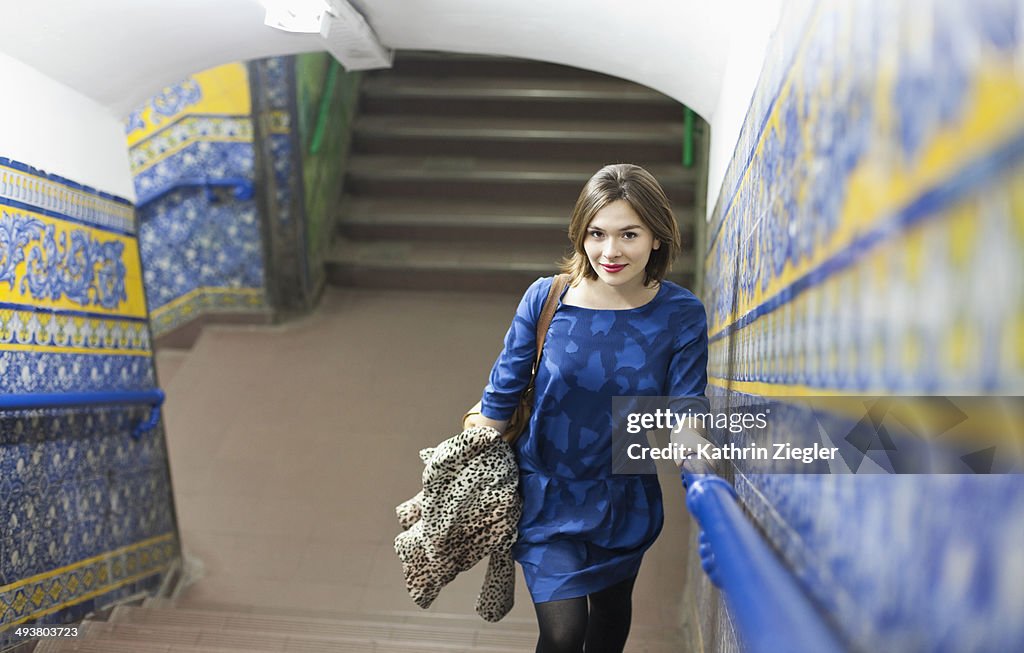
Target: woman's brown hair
639, 188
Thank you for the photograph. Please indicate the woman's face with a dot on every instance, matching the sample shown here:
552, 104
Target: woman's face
619, 245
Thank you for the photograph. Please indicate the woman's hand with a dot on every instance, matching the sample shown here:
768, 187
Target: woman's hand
476, 419
688, 440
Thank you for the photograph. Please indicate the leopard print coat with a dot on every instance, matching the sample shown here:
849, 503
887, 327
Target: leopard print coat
468, 509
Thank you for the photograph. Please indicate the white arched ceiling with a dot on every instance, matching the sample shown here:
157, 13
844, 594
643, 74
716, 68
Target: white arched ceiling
674, 46
119, 53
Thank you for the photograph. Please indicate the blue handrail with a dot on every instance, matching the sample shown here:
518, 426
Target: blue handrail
243, 188
154, 397
770, 610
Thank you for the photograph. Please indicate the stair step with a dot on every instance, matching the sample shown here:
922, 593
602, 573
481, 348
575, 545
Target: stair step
430, 63
370, 218
363, 218
512, 129
326, 629
103, 645
492, 179
424, 256
411, 265
431, 632
513, 88
203, 627
427, 255
483, 266
646, 143
109, 645
299, 635
590, 99
392, 617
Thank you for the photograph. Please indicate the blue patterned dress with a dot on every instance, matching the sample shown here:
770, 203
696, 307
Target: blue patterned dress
583, 528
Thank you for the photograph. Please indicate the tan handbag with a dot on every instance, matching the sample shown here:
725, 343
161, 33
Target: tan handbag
517, 423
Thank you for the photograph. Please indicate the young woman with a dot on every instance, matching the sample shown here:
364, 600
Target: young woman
620, 330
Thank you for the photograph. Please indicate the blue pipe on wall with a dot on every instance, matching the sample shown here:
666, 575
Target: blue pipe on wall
154, 398
770, 610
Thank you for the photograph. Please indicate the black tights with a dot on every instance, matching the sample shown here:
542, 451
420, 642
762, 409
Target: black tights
567, 626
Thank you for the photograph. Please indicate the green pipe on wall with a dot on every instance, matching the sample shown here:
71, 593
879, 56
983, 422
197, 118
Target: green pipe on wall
687, 137
325, 108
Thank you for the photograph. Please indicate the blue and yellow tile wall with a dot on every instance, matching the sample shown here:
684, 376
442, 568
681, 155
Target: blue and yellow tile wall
86, 509
276, 94
193, 158
290, 278
868, 240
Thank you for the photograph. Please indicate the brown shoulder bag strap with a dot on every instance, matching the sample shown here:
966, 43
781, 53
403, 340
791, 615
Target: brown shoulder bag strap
558, 284
522, 414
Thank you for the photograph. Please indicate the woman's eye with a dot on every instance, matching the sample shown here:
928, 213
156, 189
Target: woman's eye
629, 235
596, 234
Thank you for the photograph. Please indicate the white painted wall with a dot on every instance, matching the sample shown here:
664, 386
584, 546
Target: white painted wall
746, 52
51, 127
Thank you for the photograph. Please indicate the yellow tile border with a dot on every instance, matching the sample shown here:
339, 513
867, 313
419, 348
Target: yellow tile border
110, 555
199, 292
56, 349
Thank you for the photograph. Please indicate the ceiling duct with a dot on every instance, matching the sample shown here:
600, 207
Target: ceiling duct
347, 35
351, 40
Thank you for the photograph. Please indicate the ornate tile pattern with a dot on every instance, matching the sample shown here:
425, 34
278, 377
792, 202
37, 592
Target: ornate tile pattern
904, 563
186, 131
86, 508
199, 254
48, 262
278, 78
170, 102
280, 146
23, 372
22, 185
881, 318
201, 247
35, 597
41, 331
838, 179
84, 259
281, 155
72, 313
204, 301
200, 100
868, 239
205, 155
76, 612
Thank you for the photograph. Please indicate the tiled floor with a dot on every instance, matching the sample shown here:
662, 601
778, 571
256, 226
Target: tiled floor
290, 446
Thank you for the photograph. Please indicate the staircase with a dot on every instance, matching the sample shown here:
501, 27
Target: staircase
464, 169
162, 626
300, 514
